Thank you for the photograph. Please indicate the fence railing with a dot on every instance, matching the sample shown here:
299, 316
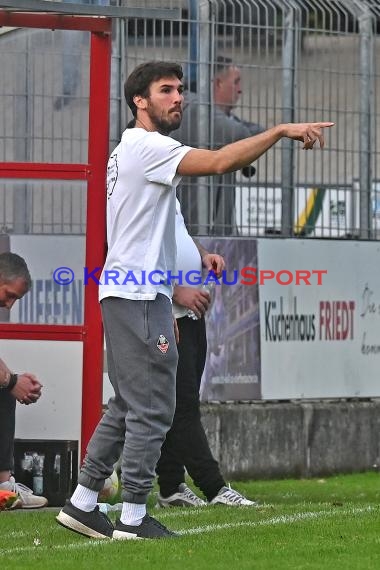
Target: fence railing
298, 59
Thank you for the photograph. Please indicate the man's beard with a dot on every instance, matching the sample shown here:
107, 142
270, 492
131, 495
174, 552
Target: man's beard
165, 126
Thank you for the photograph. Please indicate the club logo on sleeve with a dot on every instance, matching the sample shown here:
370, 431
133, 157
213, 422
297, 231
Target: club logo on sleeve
163, 344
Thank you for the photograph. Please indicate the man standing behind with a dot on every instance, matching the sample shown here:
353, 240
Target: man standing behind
25, 388
227, 128
186, 444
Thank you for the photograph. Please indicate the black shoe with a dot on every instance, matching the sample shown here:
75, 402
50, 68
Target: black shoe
94, 524
149, 528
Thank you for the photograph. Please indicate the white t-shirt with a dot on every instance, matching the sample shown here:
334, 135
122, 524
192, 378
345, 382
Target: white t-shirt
141, 182
188, 259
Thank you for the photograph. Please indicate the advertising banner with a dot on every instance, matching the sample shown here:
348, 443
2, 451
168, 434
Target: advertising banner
290, 318
56, 265
319, 319
58, 364
232, 369
320, 212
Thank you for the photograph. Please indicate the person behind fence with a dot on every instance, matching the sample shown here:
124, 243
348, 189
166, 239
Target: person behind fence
186, 444
227, 128
135, 292
24, 388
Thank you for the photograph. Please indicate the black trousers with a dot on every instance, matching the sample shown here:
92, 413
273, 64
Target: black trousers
186, 444
7, 429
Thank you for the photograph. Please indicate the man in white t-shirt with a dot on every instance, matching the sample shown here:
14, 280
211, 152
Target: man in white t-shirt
186, 444
135, 294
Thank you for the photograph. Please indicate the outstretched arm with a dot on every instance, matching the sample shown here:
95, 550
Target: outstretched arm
232, 157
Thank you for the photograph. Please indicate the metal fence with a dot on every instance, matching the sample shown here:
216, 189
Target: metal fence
299, 60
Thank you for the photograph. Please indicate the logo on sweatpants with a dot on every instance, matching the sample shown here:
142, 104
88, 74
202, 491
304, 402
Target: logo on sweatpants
163, 344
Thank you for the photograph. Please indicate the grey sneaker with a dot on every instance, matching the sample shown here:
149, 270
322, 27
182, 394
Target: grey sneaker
93, 524
232, 498
149, 528
183, 498
26, 498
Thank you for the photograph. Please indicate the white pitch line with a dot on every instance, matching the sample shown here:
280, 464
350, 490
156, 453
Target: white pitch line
69, 546
273, 521
14, 534
281, 519
21, 533
173, 513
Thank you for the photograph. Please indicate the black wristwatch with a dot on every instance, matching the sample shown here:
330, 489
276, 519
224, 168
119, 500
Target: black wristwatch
12, 382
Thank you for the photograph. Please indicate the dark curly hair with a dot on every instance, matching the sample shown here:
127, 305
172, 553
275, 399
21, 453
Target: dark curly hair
139, 81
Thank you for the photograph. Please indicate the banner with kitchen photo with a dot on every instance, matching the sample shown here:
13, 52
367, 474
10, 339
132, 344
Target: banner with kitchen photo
232, 370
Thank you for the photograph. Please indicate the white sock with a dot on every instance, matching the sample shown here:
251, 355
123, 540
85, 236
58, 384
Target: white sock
84, 499
133, 514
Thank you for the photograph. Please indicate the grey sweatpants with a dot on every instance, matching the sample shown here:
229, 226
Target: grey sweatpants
142, 371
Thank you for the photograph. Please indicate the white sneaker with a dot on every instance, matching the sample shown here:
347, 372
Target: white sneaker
26, 498
183, 498
232, 498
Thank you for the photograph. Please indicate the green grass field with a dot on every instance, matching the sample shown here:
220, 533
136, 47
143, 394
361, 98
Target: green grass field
314, 523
